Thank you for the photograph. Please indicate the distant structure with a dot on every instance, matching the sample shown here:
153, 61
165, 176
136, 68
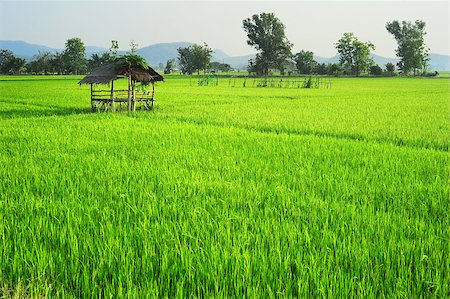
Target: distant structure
113, 99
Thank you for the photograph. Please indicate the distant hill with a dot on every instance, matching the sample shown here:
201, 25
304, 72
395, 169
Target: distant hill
93, 49
27, 51
160, 53
320, 59
23, 49
219, 55
439, 62
239, 62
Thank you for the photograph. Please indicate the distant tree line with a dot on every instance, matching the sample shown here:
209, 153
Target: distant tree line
9, 63
265, 33
72, 60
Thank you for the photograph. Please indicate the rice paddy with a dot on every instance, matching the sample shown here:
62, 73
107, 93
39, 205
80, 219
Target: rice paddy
226, 191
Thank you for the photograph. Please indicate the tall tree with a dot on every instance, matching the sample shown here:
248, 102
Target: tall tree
194, 58
184, 60
354, 55
74, 55
265, 33
411, 49
305, 62
170, 65
201, 56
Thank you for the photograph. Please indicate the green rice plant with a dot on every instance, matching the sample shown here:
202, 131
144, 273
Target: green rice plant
226, 192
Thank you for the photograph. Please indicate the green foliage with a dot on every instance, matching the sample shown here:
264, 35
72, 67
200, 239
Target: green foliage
74, 56
411, 50
97, 60
185, 61
305, 62
334, 69
390, 68
130, 61
354, 55
226, 192
201, 56
114, 49
9, 63
266, 33
308, 83
170, 66
42, 63
59, 63
321, 69
376, 70
221, 67
194, 58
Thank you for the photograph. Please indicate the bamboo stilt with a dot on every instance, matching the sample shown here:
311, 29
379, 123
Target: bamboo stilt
113, 107
133, 91
153, 93
129, 93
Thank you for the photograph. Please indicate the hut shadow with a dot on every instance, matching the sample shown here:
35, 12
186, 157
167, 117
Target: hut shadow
43, 112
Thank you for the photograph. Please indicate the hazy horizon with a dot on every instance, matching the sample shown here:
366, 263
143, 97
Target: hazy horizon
313, 26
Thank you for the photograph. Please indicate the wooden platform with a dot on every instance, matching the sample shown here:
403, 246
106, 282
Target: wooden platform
104, 100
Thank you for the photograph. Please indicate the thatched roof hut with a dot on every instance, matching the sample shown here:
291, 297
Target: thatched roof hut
109, 72
102, 100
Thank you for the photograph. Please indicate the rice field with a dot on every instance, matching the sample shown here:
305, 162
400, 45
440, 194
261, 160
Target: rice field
226, 191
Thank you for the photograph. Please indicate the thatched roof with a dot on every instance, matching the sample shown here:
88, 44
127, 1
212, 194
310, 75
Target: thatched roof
108, 72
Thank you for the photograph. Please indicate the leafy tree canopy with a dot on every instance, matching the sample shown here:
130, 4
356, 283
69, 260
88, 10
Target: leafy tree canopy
97, 60
390, 68
376, 70
74, 54
9, 63
218, 66
305, 62
130, 61
411, 49
265, 33
194, 58
354, 55
170, 66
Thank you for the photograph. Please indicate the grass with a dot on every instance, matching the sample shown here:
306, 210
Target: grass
226, 192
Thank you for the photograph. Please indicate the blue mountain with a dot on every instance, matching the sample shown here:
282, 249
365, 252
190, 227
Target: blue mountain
160, 53
23, 49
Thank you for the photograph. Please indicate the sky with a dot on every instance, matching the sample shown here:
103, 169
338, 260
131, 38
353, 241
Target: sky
310, 25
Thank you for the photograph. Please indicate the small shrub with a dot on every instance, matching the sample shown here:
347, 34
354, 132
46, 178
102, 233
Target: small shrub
376, 70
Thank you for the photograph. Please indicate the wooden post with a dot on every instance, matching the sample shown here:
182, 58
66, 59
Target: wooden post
113, 107
129, 94
153, 93
92, 104
134, 94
